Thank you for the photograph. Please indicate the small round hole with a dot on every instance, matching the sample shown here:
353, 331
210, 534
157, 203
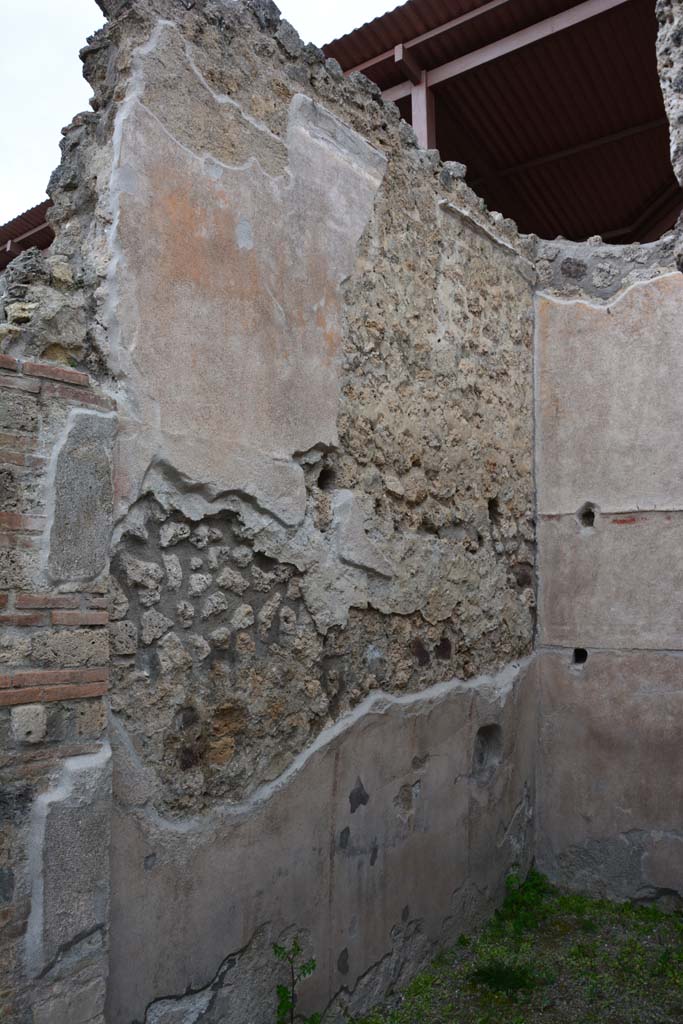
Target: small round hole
586, 515
580, 656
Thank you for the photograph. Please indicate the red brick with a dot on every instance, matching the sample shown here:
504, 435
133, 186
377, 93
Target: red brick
41, 694
47, 600
54, 372
19, 459
4, 682
3, 600
9, 363
57, 676
19, 384
16, 521
14, 458
19, 540
80, 397
80, 618
18, 442
25, 619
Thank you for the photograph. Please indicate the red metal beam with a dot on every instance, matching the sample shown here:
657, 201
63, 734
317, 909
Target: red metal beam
439, 30
525, 37
28, 234
407, 63
398, 92
423, 114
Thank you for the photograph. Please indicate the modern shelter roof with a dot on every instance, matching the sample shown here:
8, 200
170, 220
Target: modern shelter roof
554, 105
25, 231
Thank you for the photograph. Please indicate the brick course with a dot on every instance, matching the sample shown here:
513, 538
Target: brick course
16, 521
47, 601
25, 619
81, 397
43, 694
18, 442
57, 676
52, 372
20, 384
19, 540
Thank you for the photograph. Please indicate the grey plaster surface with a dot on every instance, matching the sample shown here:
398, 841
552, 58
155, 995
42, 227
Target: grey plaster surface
69, 864
610, 772
339, 847
617, 584
609, 385
82, 499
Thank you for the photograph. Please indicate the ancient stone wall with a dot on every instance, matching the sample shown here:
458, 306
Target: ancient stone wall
268, 481
55, 517
609, 374
325, 505
336, 501
319, 505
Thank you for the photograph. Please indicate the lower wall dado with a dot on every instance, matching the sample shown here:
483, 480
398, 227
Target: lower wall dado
610, 771
386, 840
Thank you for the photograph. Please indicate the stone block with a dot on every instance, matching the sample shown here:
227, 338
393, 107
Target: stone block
69, 860
82, 498
62, 647
29, 723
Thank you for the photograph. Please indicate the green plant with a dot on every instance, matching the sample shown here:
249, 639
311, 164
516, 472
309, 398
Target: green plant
505, 975
525, 905
298, 970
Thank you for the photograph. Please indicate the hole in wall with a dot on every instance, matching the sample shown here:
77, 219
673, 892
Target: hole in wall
443, 649
579, 656
343, 962
419, 651
359, 796
326, 478
523, 573
494, 511
488, 749
586, 515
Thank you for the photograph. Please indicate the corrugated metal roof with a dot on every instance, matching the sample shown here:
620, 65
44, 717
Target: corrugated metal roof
416, 17
596, 79
22, 232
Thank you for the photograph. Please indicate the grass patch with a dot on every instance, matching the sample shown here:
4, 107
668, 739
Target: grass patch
551, 957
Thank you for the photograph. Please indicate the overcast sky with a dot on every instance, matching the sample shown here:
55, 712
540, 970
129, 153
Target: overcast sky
41, 86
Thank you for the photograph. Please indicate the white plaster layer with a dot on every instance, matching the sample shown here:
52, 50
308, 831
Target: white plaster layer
609, 385
253, 315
